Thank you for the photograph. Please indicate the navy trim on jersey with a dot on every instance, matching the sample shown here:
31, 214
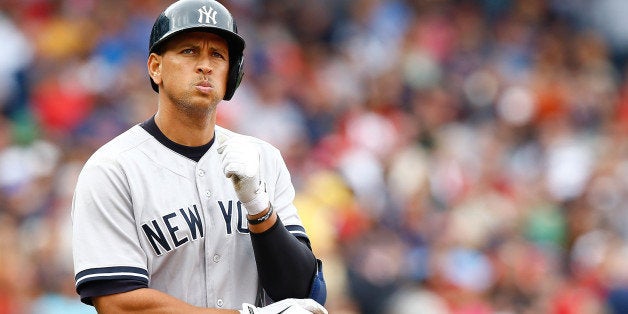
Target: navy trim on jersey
93, 289
108, 280
110, 273
192, 152
299, 232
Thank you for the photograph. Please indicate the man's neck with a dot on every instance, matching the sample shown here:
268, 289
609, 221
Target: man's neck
184, 129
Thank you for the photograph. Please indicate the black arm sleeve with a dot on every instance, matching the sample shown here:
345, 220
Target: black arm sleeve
286, 266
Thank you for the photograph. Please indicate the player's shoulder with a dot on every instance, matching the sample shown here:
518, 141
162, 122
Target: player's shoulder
120, 144
222, 134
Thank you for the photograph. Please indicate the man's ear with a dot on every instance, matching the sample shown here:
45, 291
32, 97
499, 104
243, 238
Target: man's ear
154, 67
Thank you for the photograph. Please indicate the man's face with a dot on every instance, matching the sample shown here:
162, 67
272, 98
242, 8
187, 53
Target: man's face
192, 70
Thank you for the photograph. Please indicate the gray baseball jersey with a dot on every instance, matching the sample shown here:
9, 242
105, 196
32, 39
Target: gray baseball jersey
145, 213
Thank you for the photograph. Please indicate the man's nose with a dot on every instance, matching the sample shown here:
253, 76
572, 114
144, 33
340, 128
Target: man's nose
204, 66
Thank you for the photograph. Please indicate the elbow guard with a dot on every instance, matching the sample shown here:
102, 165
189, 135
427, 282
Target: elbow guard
318, 291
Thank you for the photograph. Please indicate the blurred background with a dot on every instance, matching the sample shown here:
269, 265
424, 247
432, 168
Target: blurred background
463, 157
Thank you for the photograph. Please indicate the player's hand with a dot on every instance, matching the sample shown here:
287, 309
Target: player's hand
287, 306
241, 162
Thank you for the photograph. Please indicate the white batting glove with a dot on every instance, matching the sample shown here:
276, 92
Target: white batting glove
287, 306
240, 162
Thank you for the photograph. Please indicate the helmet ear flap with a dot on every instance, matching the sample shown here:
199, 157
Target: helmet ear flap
235, 77
153, 85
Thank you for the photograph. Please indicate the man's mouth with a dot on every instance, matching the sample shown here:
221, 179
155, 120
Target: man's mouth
204, 87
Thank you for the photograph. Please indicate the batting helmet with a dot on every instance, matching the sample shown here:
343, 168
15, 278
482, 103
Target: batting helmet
201, 15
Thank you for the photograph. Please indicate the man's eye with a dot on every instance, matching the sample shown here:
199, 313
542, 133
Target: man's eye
187, 51
218, 54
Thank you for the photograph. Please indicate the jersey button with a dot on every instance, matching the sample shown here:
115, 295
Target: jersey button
219, 303
208, 193
201, 173
216, 258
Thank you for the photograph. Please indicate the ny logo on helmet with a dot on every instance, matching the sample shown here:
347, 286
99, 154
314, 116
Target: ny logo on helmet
208, 14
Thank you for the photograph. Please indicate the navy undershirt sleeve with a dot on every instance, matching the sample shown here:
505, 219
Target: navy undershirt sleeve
286, 265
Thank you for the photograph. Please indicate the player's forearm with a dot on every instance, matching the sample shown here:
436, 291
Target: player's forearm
149, 301
286, 265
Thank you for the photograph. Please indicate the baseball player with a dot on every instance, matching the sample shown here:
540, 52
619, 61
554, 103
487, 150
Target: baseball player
179, 215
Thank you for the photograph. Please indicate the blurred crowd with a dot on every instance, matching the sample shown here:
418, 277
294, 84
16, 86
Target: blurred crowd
449, 156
